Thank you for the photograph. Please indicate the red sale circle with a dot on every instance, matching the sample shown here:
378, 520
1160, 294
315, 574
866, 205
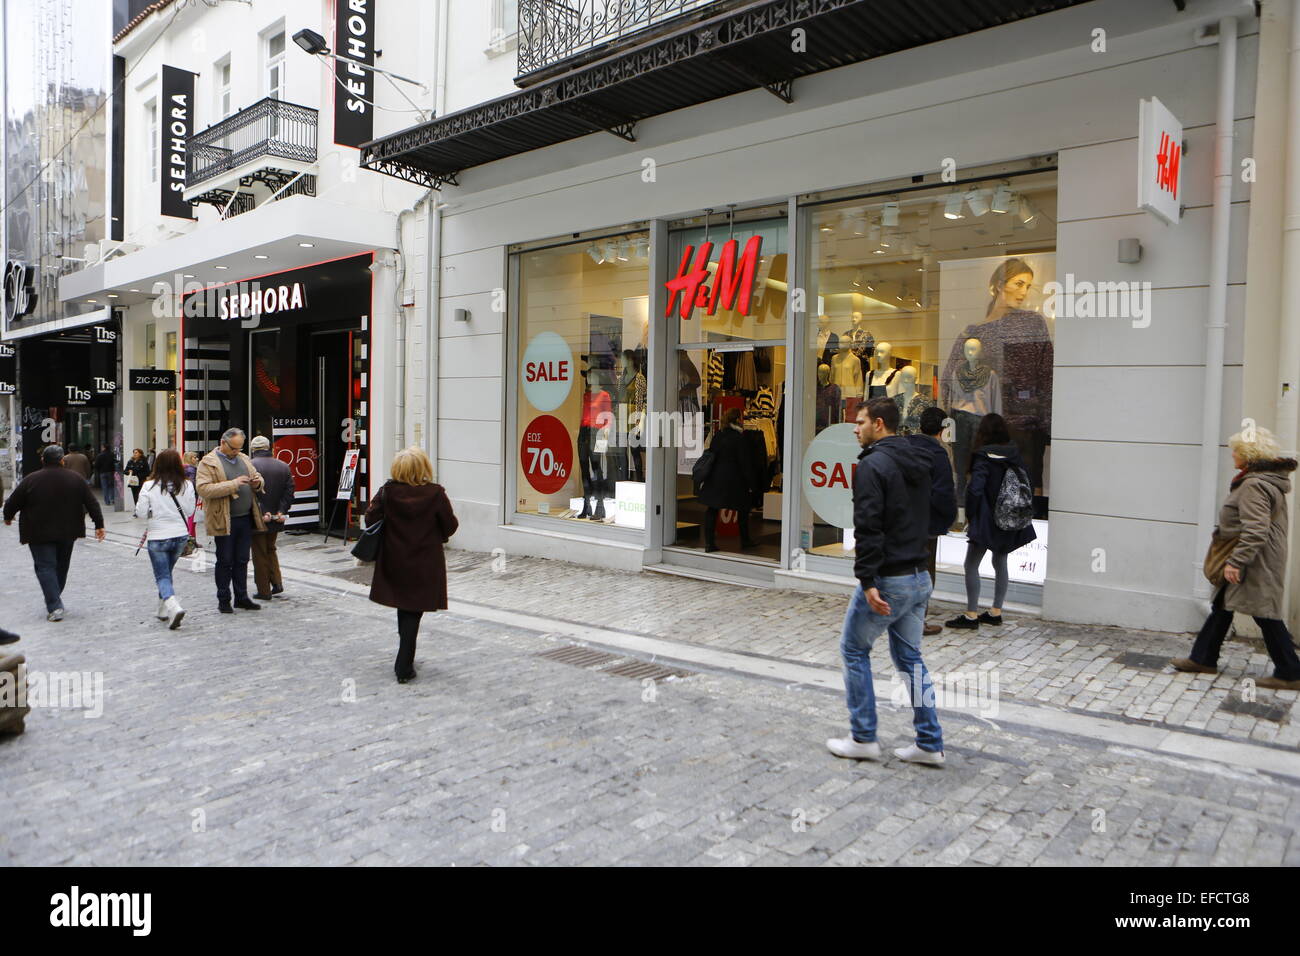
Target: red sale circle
300, 454
546, 454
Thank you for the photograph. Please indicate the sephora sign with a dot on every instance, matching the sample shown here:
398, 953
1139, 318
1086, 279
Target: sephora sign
176, 126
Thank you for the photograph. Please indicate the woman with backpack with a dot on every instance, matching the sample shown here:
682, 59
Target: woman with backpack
167, 499
999, 512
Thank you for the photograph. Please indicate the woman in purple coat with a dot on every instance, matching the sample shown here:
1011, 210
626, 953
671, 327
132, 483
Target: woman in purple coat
411, 571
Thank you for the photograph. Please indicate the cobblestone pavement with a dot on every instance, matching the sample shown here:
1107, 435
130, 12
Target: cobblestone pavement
281, 737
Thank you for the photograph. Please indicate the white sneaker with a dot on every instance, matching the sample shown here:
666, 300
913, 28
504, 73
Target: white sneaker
55, 615
162, 609
175, 613
852, 749
914, 754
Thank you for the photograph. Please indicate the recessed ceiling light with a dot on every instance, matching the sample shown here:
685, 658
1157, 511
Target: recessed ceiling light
187, 275
307, 245
112, 295
221, 267
93, 301
133, 290
259, 256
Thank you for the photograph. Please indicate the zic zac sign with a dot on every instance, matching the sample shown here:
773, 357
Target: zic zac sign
547, 371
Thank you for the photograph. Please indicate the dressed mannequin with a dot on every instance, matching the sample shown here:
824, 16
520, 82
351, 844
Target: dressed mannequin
884, 379
596, 418
861, 342
828, 399
972, 393
846, 372
911, 403
633, 395
827, 342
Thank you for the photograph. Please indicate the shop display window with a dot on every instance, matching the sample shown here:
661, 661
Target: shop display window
583, 324
933, 297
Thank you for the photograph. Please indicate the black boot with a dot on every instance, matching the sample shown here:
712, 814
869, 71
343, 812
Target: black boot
600, 510
8, 637
586, 508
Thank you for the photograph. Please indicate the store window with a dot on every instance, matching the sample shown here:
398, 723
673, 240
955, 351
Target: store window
275, 65
932, 296
171, 395
583, 325
728, 292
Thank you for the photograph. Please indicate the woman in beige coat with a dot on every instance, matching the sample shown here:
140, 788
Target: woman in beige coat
1255, 514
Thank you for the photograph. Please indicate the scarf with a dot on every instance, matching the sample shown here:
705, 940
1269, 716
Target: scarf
969, 379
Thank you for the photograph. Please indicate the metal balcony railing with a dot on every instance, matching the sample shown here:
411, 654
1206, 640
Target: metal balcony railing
268, 128
552, 31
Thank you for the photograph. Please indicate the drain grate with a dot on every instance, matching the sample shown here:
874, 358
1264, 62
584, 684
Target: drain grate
1255, 708
644, 670
576, 656
1146, 662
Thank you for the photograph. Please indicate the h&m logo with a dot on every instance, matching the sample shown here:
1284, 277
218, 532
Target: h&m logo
734, 280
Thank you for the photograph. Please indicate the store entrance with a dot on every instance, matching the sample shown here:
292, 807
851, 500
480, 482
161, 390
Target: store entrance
332, 356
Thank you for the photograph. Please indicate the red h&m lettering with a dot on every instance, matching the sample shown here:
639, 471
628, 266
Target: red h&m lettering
735, 280
1167, 161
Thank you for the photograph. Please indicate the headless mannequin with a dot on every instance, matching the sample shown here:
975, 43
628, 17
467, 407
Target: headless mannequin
847, 372
827, 342
590, 461
911, 403
972, 394
884, 379
828, 398
861, 342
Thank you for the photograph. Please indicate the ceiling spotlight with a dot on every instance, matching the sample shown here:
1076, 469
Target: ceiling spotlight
112, 295
827, 227
306, 245
1001, 199
978, 201
1027, 211
952, 207
221, 267
884, 242
857, 280
610, 252
623, 250
260, 256
594, 252
889, 214
187, 275
93, 301
870, 287
133, 290
861, 228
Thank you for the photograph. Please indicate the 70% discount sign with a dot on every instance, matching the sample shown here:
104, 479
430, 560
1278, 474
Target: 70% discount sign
547, 454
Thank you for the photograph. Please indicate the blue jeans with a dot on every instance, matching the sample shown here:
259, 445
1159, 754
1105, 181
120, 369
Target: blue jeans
51, 560
106, 483
907, 596
232, 559
163, 555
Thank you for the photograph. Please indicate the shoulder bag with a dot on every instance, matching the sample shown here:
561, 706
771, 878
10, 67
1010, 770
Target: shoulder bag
368, 545
190, 544
1216, 557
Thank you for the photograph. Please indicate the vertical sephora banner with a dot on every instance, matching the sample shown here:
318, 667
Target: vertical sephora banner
354, 40
176, 128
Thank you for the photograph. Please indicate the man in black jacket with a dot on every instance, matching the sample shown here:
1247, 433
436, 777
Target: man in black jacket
943, 496
106, 469
891, 511
53, 503
275, 499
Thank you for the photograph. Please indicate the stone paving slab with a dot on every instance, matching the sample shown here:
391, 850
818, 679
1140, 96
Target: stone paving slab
280, 737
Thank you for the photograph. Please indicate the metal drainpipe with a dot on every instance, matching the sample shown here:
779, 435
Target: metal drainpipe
1216, 323
1288, 358
433, 255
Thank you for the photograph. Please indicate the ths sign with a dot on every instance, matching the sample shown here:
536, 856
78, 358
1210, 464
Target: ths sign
354, 89
733, 281
1160, 155
20, 290
175, 126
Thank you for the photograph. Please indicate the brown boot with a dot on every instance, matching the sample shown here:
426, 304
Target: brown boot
1189, 665
1276, 683
931, 629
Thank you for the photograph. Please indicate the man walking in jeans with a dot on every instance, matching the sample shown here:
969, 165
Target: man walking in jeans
52, 504
891, 510
226, 481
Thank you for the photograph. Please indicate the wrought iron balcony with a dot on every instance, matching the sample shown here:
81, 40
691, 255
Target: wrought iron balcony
555, 31
271, 142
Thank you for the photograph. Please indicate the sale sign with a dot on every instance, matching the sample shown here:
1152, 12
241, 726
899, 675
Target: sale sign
546, 454
547, 371
828, 469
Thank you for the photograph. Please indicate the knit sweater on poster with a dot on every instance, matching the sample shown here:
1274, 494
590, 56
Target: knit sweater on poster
1019, 348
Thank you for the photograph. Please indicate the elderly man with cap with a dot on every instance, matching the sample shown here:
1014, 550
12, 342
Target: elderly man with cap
52, 504
274, 500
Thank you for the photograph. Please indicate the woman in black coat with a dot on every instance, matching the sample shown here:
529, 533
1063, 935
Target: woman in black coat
411, 571
992, 454
732, 483
139, 467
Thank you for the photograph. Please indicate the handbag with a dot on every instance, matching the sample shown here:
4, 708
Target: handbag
190, 544
1216, 557
367, 547
132, 481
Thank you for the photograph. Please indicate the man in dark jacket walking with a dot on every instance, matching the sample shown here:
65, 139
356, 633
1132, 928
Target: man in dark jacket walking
52, 504
275, 499
943, 495
76, 461
891, 515
106, 469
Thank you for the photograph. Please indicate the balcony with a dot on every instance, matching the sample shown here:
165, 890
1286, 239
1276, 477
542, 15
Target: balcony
267, 150
554, 32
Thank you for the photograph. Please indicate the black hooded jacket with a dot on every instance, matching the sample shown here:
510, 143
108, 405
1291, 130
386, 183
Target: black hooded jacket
891, 510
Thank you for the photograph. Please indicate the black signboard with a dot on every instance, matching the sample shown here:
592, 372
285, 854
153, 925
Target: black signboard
354, 91
152, 380
175, 127
8, 369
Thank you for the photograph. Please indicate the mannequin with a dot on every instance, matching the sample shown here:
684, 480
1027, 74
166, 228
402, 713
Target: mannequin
827, 342
828, 399
972, 393
883, 380
911, 403
862, 342
596, 417
846, 372
633, 396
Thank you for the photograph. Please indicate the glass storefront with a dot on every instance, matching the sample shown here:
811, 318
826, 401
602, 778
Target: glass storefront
932, 297
921, 291
583, 326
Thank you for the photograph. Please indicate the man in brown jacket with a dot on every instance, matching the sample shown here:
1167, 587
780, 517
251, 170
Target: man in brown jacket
227, 481
74, 460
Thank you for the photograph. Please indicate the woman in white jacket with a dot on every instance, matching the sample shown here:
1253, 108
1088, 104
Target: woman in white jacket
166, 498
